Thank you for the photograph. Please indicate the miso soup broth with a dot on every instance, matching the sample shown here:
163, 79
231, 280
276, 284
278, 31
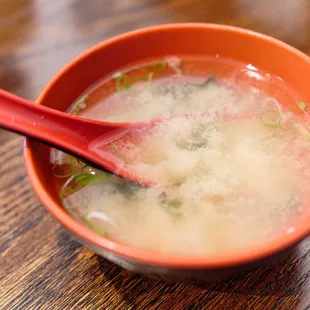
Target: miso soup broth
230, 154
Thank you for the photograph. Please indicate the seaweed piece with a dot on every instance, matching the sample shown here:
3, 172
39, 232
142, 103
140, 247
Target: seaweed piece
198, 138
171, 205
211, 80
128, 188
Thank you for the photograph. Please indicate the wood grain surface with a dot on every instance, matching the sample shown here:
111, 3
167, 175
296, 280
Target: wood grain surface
41, 267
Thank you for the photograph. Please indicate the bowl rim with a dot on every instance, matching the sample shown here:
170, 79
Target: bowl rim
207, 261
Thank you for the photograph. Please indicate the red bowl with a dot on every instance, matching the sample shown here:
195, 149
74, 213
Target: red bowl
243, 45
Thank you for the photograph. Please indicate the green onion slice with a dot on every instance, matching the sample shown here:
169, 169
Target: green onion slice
150, 77
116, 149
86, 179
95, 227
303, 106
123, 81
270, 118
62, 171
158, 65
66, 191
77, 182
75, 109
73, 161
303, 130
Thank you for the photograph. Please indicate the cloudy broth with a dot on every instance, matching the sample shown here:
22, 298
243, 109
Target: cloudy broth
228, 150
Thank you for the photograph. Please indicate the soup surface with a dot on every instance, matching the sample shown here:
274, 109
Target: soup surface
226, 143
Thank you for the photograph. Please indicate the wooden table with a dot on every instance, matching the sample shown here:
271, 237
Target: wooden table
41, 267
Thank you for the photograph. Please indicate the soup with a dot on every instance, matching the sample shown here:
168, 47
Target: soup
227, 145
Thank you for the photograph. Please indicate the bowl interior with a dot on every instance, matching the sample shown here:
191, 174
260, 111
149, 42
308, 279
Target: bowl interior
171, 40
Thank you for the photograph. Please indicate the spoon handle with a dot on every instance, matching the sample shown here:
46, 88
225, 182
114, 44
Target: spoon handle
55, 128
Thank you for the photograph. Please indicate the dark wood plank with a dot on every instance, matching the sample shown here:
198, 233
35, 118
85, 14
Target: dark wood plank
41, 266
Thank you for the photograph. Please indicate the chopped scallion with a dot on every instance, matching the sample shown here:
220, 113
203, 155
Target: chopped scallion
62, 171
95, 227
86, 179
303, 106
303, 130
124, 82
270, 118
76, 106
66, 191
158, 65
118, 151
73, 161
150, 77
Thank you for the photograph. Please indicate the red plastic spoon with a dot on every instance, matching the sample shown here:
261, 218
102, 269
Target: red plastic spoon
67, 132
